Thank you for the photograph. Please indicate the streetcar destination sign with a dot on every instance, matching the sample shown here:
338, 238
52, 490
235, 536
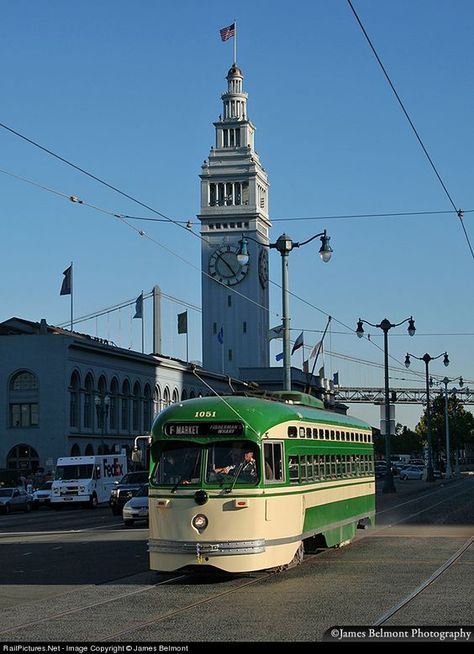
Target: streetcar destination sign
203, 429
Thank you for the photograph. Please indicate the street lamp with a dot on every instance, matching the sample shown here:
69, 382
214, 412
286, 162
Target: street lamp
102, 404
427, 358
285, 245
446, 381
386, 326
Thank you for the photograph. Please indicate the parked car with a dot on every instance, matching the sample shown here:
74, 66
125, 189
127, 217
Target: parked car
411, 472
42, 495
125, 488
14, 499
137, 507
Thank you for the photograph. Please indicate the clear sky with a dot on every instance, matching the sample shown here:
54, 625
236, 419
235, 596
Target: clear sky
128, 91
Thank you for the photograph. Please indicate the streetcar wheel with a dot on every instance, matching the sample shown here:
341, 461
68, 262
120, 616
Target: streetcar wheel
296, 560
298, 557
93, 502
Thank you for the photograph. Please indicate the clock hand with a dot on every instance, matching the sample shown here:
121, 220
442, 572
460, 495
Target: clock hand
232, 271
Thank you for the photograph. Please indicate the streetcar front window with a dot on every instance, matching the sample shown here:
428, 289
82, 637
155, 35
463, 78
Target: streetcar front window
178, 464
234, 463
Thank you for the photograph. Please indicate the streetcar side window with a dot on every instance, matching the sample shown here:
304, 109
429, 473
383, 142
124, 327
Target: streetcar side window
272, 453
293, 469
292, 433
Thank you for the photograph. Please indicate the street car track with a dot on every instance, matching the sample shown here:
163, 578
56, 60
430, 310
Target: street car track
242, 583
436, 574
179, 578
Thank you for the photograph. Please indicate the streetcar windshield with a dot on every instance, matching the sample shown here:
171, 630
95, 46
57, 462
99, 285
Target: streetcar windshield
226, 463
178, 463
232, 463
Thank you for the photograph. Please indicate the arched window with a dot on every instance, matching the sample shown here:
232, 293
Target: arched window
184, 394
23, 400
23, 457
75, 450
114, 404
192, 394
136, 413
102, 405
147, 408
89, 451
74, 399
157, 399
166, 397
175, 396
88, 401
125, 418
24, 381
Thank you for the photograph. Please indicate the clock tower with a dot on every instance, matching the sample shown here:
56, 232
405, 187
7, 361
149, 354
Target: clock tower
234, 203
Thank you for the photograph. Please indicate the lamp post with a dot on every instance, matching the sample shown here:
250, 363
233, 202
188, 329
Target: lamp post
102, 404
385, 325
285, 245
446, 381
427, 358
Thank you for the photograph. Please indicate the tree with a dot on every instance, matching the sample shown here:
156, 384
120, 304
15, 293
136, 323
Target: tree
405, 441
461, 425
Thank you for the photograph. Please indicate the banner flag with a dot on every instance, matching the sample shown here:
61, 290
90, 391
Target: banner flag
139, 307
298, 343
183, 322
66, 285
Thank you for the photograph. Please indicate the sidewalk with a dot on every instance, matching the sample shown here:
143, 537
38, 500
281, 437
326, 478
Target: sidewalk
407, 487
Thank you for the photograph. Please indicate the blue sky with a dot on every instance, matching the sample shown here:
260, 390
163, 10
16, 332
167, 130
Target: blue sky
129, 91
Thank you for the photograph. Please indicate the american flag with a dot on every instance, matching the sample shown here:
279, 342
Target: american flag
228, 32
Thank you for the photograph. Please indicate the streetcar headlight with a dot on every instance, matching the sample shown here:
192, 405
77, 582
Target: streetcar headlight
200, 522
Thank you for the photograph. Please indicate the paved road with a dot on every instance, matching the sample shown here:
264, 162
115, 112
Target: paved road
79, 575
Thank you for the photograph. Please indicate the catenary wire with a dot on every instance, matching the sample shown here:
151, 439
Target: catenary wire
125, 219
458, 211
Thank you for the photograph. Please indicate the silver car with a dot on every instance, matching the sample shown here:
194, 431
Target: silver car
14, 499
411, 472
137, 507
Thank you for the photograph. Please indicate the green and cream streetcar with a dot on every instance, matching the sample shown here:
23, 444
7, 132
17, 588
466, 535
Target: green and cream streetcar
246, 483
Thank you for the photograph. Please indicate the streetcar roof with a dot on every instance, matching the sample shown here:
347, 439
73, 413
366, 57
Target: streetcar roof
260, 414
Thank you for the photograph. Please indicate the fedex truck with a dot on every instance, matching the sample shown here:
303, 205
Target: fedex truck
86, 479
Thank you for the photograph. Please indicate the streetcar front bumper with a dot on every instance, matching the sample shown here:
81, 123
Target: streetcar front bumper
206, 548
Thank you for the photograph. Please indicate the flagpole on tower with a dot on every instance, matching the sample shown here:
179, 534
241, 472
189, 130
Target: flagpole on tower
72, 306
235, 41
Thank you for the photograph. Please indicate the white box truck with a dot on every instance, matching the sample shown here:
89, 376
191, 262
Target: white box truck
86, 479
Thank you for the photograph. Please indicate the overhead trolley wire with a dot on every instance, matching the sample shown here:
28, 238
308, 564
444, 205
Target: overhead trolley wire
459, 212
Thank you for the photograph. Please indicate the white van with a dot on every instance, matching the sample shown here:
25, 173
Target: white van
86, 479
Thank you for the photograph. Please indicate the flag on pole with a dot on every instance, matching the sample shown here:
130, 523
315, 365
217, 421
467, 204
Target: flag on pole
139, 307
298, 343
220, 335
316, 349
227, 32
66, 285
183, 322
275, 332
279, 356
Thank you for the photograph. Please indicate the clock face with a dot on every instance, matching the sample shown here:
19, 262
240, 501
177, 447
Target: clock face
224, 266
263, 268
